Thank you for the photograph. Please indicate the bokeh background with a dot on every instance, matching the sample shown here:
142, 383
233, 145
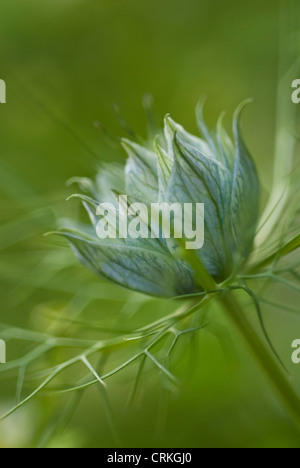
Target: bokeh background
66, 63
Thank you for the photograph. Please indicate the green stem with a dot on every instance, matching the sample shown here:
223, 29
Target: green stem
281, 381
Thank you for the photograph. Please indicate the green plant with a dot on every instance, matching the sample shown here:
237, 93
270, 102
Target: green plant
225, 265
188, 169
245, 272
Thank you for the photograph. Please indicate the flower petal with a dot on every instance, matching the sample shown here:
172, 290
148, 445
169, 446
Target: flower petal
134, 267
245, 193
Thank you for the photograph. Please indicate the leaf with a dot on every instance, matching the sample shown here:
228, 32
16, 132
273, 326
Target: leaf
84, 183
224, 144
140, 171
289, 247
256, 303
171, 128
203, 128
109, 177
220, 143
245, 192
164, 168
198, 178
127, 264
213, 173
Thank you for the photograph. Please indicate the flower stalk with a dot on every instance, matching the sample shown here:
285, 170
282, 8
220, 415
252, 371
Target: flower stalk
280, 380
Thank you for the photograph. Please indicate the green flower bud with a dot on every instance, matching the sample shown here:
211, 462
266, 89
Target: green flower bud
178, 168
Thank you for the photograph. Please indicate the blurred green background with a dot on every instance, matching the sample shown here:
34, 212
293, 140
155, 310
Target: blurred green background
66, 63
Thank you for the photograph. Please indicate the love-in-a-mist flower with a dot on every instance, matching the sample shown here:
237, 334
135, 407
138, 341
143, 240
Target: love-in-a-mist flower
176, 167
